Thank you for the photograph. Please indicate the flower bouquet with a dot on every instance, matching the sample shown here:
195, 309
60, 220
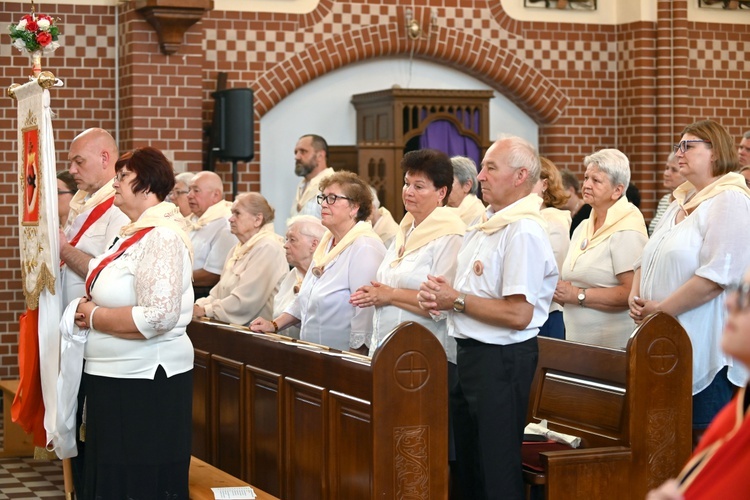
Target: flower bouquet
35, 34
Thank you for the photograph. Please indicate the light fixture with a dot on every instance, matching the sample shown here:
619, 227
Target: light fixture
414, 30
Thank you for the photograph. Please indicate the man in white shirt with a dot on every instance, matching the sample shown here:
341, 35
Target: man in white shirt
505, 278
92, 225
211, 237
94, 221
310, 163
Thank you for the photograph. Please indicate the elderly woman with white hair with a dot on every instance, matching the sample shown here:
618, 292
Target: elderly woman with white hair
253, 270
179, 193
463, 196
597, 274
303, 234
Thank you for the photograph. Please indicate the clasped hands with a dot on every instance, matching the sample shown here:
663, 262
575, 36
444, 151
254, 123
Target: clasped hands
376, 294
83, 312
436, 295
640, 308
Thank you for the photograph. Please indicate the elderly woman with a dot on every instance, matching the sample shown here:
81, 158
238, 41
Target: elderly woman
382, 220
179, 195
697, 250
347, 258
303, 234
672, 179
597, 274
427, 244
554, 198
252, 271
463, 194
139, 361
718, 468
66, 188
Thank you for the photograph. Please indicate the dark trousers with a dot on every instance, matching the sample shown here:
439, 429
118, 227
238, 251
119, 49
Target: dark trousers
489, 402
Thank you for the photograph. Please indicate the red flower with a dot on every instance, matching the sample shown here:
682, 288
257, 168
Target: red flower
43, 38
28, 18
31, 25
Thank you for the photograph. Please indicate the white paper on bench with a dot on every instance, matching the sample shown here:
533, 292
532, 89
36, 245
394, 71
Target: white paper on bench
540, 429
234, 493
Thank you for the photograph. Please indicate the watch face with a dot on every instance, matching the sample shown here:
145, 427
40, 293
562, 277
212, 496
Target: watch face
581, 296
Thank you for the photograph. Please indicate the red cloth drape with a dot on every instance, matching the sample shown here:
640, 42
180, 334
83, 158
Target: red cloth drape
28, 406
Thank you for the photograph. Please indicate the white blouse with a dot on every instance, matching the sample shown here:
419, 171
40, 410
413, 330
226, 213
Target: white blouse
598, 268
284, 298
437, 258
246, 290
323, 303
154, 276
712, 243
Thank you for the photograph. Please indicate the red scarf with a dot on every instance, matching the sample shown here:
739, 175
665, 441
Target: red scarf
93, 275
94, 216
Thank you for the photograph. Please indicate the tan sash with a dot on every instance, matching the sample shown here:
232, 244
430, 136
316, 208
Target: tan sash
312, 189
385, 225
441, 222
81, 201
220, 210
242, 248
322, 259
553, 214
164, 214
471, 209
525, 208
622, 216
727, 182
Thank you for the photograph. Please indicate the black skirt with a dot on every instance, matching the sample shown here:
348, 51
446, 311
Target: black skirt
138, 437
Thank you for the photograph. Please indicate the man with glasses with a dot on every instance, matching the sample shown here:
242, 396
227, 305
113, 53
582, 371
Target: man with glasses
310, 163
211, 236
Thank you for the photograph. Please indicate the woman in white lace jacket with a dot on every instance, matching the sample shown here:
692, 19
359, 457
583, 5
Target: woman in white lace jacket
139, 360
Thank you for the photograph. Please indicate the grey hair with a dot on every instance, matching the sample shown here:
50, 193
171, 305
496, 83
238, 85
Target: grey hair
671, 158
309, 226
465, 170
184, 177
522, 154
746, 135
612, 162
375, 199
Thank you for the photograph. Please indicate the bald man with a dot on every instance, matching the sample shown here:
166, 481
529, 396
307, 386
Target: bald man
93, 221
211, 236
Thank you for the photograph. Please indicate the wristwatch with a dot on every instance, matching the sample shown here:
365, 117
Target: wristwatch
581, 296
460, 303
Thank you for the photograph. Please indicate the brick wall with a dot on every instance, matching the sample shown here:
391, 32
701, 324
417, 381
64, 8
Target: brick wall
631, 86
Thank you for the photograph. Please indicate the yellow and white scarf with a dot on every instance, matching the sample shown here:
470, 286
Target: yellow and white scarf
441, 222
622, 216
222, 209
471, 209
322, 259
525, 208
83, 201
311, 189
727, 182
164, 214
241, 249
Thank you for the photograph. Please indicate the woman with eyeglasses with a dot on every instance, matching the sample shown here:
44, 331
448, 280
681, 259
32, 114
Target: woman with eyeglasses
597, 274
697, 250
720, 463
178, 195
253, 269
66, 188
347, 258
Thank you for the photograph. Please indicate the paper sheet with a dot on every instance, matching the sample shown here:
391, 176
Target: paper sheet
234, 493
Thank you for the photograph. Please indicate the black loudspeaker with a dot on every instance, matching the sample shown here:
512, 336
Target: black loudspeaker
232, 134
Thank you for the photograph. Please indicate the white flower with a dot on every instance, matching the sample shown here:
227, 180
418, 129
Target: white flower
19, 44
21, 24
43, 24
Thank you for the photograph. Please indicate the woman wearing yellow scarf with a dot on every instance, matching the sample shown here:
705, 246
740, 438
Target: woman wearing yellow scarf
698, 249
347, 258
254, 268
597, 274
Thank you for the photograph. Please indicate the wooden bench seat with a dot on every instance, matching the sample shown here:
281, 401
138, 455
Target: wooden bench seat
631, 408
203, 477
16, 443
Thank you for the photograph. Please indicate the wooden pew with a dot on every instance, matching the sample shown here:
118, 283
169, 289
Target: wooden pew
632, 408
203, 477
302, 421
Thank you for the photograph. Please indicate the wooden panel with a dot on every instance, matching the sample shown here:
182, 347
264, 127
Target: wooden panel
343, 158
350, 450
228, 415
580, 404
265, 420
306, 441
201, 405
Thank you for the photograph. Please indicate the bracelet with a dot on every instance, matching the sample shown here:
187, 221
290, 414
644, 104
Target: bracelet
275, 327
91, 317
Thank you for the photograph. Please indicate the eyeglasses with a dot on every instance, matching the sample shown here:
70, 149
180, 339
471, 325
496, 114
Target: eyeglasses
64, 192
742, 292
120, 176
330, 198
175, 194
683, 145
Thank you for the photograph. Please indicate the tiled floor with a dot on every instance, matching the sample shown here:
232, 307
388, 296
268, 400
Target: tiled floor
24, 478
